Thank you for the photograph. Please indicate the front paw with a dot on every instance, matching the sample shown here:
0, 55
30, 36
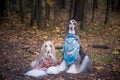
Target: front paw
53, 70
35, 73
72, 71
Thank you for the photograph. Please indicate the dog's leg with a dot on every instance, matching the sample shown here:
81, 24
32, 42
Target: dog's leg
53, 70
35, 73
73, 69
86, 65
63, 66
57, 69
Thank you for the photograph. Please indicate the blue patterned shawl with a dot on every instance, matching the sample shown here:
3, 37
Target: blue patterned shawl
71, 49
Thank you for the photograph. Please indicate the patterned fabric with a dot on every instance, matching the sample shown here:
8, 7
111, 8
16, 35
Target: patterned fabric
71, 49
45, 63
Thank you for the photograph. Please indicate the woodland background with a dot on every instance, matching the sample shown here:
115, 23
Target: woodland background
26, 24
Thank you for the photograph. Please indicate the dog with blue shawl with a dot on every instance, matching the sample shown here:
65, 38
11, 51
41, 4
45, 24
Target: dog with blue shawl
74, 59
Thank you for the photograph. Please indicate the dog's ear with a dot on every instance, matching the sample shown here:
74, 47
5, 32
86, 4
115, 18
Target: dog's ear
42, 52
41, 55
76, 28
53, 52
67, 28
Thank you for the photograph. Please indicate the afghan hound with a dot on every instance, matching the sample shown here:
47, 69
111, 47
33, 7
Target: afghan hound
74, 59
46, 59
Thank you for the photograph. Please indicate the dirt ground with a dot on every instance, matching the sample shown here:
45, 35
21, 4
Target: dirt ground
20, 45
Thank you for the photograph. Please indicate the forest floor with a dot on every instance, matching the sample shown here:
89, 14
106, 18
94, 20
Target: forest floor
20, 45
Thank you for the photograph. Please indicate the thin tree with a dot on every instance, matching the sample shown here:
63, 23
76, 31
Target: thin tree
32, 3
107, 12
55, 13
2, 9
47, 13
83, 20
93, 11
39, 20
22, 10
36, 9
118, 5
96, 4
47, 10
63, 3
71, 9
78, 6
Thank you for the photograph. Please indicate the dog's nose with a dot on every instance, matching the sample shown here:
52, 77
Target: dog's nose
48, 52
50, 56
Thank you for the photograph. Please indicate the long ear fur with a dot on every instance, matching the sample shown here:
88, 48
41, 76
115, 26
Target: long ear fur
76, 27
41, 56
54, 53
42, 53
67, 28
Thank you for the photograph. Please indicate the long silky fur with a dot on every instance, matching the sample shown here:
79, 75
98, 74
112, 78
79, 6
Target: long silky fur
36, 72
83, 60
76, 28
82, 64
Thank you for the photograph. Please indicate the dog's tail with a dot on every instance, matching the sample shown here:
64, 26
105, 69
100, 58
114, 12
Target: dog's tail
35, 73
86, 65
90, 65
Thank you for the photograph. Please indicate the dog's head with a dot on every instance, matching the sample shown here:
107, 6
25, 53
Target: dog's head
48, 50
72, 27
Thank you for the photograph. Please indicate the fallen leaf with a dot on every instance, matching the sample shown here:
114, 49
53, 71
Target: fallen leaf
115, 52
99, 68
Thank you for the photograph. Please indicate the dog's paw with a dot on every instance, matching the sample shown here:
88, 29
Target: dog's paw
53, 70
35, 73
72, 69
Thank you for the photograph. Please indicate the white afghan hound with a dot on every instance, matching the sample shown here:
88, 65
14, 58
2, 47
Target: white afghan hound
46, 59
74, 59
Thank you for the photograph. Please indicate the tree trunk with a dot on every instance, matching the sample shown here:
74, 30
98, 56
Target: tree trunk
22, 10
114, 5
78, 10
71, 9
39, 20
93, 11
2, 9
118, 5
9, 11
36, 9
47, 10
63, 3
96, 3
83, 20
32, 3
17, 6
107, 12
55, 13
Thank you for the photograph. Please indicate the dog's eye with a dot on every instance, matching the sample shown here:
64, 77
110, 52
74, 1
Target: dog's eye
50, 45
45, 46
69, 23
74, 23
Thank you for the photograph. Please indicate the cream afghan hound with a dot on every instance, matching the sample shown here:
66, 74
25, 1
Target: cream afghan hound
46, 59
